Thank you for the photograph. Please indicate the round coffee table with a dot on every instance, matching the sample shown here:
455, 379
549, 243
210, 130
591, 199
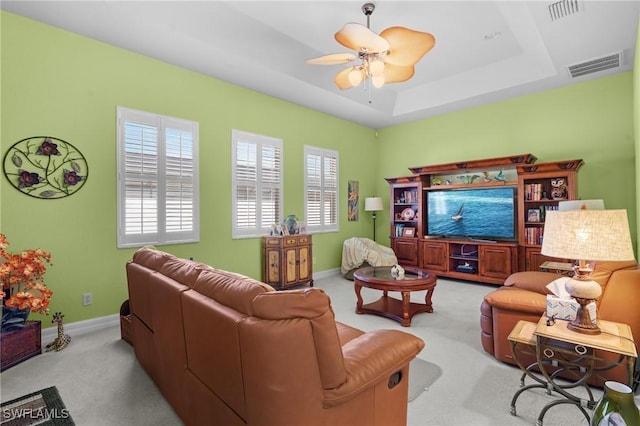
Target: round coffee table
379, 278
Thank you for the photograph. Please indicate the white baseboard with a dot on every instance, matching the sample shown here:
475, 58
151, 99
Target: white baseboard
81, 327
326, 273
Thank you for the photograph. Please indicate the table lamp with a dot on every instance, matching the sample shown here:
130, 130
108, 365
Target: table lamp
373, 205
586, 236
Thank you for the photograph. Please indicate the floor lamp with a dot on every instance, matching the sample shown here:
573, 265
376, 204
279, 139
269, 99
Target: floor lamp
373, 205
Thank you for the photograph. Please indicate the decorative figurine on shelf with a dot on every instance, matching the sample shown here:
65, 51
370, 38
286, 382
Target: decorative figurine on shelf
397, 272
436, 181
63, 340
500, 177
486, 177
291, 225
558, 189
468, 178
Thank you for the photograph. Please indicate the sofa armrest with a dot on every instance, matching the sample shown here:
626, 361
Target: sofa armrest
371, 358
535, 281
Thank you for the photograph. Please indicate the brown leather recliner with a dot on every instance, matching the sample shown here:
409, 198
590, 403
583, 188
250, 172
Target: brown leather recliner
523, 297
226, 349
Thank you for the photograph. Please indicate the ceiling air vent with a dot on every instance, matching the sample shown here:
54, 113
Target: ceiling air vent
596, 65
564, 8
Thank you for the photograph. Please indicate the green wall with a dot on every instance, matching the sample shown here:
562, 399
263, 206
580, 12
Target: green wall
590, 120
67, 86
636, 122
64, 85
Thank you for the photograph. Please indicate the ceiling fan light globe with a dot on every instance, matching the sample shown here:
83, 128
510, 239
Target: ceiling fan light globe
355, 77
378, 81
376, 67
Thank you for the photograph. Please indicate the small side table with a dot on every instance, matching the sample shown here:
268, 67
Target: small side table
559, 349
560, 268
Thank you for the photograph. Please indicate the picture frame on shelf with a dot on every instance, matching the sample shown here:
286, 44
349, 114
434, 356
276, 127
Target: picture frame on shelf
408, 231
533, 215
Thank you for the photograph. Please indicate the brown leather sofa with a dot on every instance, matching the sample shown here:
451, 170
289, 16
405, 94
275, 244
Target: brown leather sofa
523, 297
226, 349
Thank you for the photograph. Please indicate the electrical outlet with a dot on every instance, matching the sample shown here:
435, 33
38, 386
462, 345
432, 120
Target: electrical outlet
87, 299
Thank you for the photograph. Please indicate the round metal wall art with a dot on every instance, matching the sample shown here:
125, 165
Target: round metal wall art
45, 167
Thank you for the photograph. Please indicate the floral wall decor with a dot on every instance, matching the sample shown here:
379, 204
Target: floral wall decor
45, 167
352, 202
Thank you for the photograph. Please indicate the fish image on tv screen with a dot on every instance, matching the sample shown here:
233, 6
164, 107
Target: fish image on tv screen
474, 213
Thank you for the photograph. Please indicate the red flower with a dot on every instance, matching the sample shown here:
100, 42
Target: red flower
28, 179
71, 177
48, 148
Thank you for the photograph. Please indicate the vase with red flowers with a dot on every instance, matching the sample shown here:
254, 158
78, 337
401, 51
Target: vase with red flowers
23, 289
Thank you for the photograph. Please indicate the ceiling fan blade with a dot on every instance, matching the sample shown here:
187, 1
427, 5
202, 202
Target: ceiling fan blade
398, 73
333, 59
407, 46
342, 79
359, 38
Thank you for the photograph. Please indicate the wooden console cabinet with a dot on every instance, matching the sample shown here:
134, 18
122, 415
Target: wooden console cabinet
287, 260
469, 260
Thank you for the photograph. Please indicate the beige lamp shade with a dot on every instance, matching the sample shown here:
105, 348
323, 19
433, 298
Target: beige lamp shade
373, 204
595, 235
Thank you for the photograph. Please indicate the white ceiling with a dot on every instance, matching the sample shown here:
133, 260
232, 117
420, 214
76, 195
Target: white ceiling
263, 45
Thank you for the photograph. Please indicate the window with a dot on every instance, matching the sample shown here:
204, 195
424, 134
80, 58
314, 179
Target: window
321, 189
257, 183
157, 179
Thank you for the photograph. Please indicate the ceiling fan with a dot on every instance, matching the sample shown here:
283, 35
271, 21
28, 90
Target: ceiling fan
386, 58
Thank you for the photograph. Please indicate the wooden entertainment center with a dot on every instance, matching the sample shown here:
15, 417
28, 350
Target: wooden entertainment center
539, 187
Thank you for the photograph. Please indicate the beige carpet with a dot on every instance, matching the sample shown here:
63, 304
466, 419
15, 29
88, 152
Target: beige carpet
422, 374
101, 383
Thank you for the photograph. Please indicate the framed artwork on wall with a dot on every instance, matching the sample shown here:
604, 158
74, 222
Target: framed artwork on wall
352, 201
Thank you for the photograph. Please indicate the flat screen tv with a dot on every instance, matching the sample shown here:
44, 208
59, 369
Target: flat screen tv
477, 213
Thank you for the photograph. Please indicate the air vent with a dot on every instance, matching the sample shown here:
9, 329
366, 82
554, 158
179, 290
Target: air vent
595, 65
564, 8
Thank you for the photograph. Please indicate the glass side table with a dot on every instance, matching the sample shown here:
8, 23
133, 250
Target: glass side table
559, 350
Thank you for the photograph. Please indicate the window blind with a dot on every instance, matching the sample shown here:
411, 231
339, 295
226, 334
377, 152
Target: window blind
157, 179
321, 189
257, 180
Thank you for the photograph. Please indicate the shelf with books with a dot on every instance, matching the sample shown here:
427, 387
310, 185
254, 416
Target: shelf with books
406, 217
542, 187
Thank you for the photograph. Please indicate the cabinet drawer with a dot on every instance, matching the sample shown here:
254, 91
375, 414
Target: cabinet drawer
290, 241
272, 241
303, 239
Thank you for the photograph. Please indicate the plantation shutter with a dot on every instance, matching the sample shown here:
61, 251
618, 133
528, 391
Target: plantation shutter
179, 180
157, 179
257, 180
321, 189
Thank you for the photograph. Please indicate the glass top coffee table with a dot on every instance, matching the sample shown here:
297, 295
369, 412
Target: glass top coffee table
379, 278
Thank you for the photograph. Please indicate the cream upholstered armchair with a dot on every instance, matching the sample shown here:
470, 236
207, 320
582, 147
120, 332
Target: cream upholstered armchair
360, 252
